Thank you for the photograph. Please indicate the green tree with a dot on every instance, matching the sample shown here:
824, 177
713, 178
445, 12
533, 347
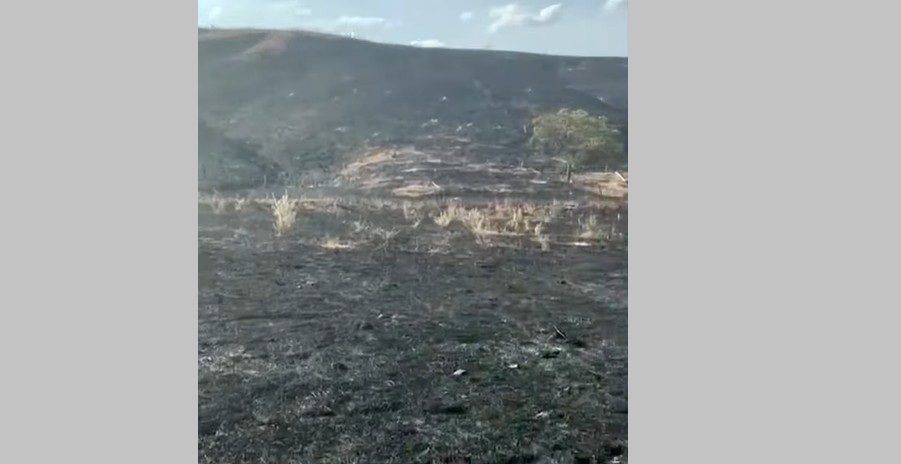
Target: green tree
576, 138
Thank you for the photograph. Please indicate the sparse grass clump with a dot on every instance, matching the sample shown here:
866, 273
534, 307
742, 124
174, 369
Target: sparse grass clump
285, 213
474, 219
498, 219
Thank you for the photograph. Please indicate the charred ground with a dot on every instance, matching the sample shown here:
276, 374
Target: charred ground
308, 102
428, 241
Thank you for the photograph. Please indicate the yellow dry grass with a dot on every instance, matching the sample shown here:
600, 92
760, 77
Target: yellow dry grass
493, 224
498, 219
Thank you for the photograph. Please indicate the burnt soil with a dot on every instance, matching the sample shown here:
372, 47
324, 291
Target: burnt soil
428, 346
316, 355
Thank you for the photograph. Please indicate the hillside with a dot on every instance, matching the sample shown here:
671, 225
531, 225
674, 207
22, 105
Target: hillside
386, 274
275, 105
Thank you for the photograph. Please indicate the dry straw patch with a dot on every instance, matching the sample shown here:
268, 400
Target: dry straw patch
332, 243
380, 157
417, 190
354, 169
604, 184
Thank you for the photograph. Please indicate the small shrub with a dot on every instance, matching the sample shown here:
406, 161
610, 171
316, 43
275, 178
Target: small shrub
579, 138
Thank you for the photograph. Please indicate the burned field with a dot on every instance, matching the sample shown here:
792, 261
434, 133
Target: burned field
427, 298
363, 336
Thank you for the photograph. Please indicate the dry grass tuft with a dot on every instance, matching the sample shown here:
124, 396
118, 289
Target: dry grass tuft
450, 214
284, 211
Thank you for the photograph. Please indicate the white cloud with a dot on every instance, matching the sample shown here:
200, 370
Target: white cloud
465, 16
514, 15
549, 13
428, 43
214, 14
613, 5
360, 21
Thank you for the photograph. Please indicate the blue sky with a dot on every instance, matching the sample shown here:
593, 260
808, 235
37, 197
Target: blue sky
562, 27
